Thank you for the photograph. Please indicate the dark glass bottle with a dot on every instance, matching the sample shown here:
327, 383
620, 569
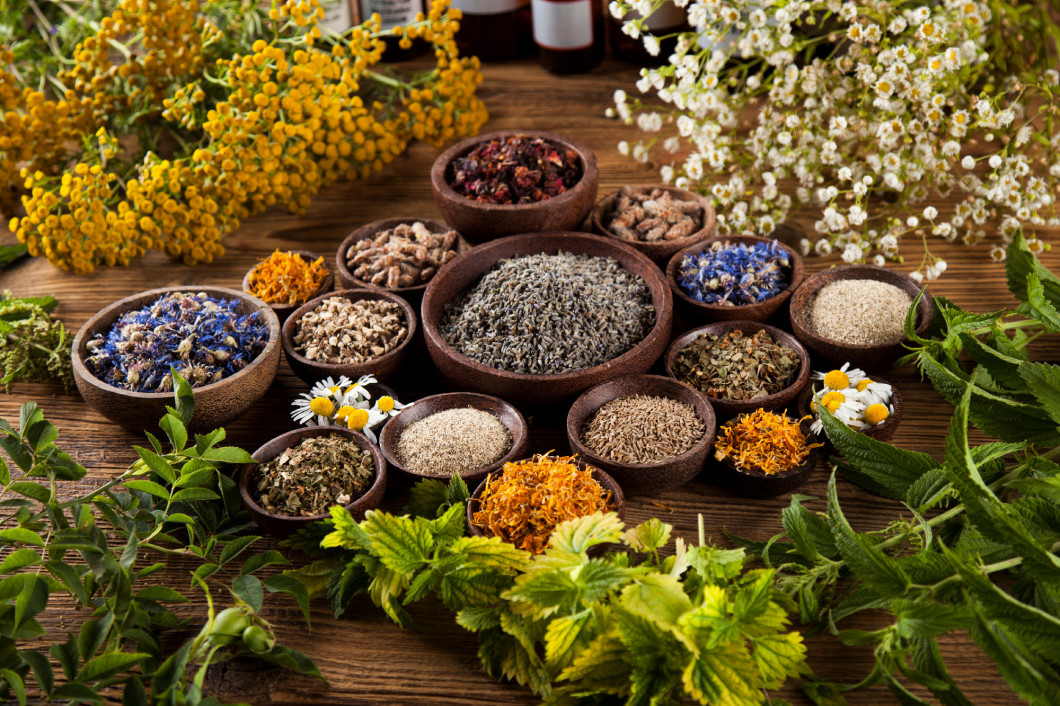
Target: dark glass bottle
568, 34
667, 20
494, 30
394, 13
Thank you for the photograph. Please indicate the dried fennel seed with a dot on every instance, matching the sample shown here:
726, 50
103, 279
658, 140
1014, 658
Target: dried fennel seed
313, 475
453, 441
642, 429
860, 312
736, 367
344, 332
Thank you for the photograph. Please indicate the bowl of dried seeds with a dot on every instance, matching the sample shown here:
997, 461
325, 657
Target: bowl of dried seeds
455, 433
762, 454
657, 220
400, 255
301, 474
350, 332
225, 343
504, 183
286, 280
651, 433
740, 365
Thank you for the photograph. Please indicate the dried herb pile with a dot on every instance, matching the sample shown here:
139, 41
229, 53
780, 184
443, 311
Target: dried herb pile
33, 344
764, 442
733, 366
313, 475
642, 429
515, 169
735, 274
286, 278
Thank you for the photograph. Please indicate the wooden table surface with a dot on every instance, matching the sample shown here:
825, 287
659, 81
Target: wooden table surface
364, 657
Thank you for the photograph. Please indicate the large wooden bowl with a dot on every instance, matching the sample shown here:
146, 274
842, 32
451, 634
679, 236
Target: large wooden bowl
285, 310
520, 388
660, 250
479, 222
756, 484
216, 404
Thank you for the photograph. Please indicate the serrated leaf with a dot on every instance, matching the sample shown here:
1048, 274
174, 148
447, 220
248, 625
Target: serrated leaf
31, 490
867, 561
65, 653
42, 668
648, 536
1029, 676
403, 544
292, 587
581, 533
162, 594
294, 660
928, 660
566, 637
491, 553
928, 490
19, 559
451, 525
187, 495
723, 675
657, 597
1038, 306
109, 664
183, 397
228, 454
808, 531
250, 590
1020, 262
425, 582
175, 430
927, 619
14, 681
194, 478
260, 561
92, 635
149, 487
602, 666
778, 657
1043, 379
236, 547
1002, 368
478, 618
78, 692
428, 498
157, 464
20, 535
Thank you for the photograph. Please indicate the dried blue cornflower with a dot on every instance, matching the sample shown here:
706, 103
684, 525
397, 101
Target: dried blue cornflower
202, 338
735, 274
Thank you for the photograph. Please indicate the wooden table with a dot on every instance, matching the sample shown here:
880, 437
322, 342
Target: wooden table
365, 658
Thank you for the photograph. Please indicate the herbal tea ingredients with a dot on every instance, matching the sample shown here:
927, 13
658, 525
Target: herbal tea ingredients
453, 441
642, 429
735, 274
286, 278
763, 442
651, 215
515, 169
344, 332
202, 338
314, 474
407, 255
548, 314
860, 312
529, 498
855, 399
732, 366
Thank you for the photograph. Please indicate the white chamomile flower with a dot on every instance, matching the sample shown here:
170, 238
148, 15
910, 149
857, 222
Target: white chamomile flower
871, 392
329, 387
363, 420
313, 410
388, 406
842, 378
351, 393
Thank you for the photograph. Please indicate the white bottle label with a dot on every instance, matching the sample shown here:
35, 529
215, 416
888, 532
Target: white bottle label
337, 16
488, 7
391, 12
563, 25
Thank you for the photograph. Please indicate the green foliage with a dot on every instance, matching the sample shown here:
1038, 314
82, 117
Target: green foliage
33, 345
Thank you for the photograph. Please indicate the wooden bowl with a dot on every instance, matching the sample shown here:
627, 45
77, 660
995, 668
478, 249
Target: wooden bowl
479, 222
508, 415
869, 357
758, 311
761, 485
660, 250
644, 478
383, 367
284, 310
728, 408
539, 390
880, 432
412, 294
284, 525
216, 404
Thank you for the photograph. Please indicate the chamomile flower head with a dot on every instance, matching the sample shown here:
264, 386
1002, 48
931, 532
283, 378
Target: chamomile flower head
312, 410
329, 387
388, 406
363, 420
841, 378
357, 391
871, 392
876, 414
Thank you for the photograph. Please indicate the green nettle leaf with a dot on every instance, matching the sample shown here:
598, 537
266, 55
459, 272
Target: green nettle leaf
1031, 677
478, 618
779, 657
1020, 264
1043, 379
402, 543
808, 531
566, 637
491, 553
602, 666
429, 498
1001, 367
724, 674
648, 536
657, 597
1038, 306
580, 534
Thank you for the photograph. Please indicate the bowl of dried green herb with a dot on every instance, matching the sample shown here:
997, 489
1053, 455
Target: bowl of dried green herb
658, 220
301, 474
762, 454
504, 183
224, 342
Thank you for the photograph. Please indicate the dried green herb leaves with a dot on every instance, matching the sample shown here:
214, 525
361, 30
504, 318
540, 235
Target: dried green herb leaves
33, 345
733, 366
313, 475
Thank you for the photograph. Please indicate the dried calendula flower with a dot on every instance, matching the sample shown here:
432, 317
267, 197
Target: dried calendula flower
764, 441
318, 472
286, 278
733, 366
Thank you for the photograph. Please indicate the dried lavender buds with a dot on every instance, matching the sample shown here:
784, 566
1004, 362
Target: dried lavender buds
515, 169
735, 274
343, 332
860, 312
311, 476
733, 366
204, 339
453, 441
407, 255
642, 429
549, 314
648, 216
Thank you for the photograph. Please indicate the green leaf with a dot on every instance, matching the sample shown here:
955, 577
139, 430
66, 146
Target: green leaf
194, 478
1020, 263
491, 553
42, 668
92, 635
109, 664
725, 674
77, 692
134, 694
291, 586
236, 547
778, 657
928, 660
808, 531
581, 533
30, 489
228, 454
162, 594
260, 561
10, 254
1029, 676
1002, 368
20, 535
429, 499
169, 674
183, 398
567, 636
65, 653
657, 597
403, 544
28, 415
5, 472
458, 492
203, 572
1043, 379
149, 487
174, 428
19, 559
1038, 306
927, 619
293, 660
14, 680
188, 495
157, 464
867, 561
249, 589
204, 442
478, 618
602, 666
17, 451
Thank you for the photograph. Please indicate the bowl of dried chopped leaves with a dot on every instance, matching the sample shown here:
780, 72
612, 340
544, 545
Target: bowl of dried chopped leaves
658, 220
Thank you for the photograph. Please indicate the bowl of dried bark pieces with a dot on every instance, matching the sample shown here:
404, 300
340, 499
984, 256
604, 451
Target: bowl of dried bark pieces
399, 255
350, 332
657, 220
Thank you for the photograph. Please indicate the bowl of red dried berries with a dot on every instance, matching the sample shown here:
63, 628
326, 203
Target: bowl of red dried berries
504, 183
657, 220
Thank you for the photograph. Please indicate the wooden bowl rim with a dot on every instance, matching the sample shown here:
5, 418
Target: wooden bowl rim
804, 467
892, 421
606, 205
308, 256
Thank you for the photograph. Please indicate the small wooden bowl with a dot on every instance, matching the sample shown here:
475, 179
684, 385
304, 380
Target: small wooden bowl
880, 432
383, 367
216, 404
759, 311
414, 295
479, 222
644, 478
508, 415
869, 357
660, 250
728, 408
761, 485
284, 310
285, 525
539, 390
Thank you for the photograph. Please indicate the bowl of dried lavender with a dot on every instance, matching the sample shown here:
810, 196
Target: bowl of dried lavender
763, 454
349, 332
225, 343
651, 433
287, 280
657, 220
504, 183
301, 474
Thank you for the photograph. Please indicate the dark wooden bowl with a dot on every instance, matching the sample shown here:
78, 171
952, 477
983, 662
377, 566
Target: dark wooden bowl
759, 311
285, 525
869, 357
508, 415
646, 478
479, 222
660, 250
881, 432
761, 485
284, 310
216, 404
728, 408
414, 295
383, 367
539, 390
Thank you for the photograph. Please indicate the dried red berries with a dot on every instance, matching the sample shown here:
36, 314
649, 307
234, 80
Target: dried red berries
515, 169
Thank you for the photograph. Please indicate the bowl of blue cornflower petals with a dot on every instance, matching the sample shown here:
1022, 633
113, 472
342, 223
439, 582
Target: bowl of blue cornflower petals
735, 277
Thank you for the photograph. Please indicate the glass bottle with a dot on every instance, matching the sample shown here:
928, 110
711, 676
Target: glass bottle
568, 34
394, 13
494, 30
